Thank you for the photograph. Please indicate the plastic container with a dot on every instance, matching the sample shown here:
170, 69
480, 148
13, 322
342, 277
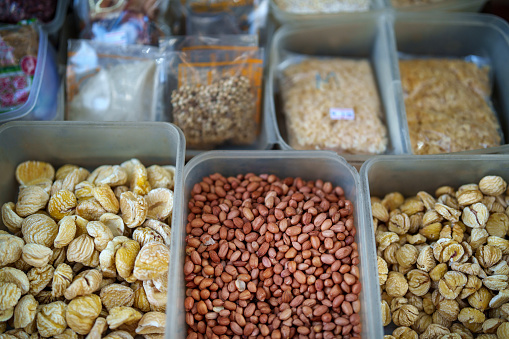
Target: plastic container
308, 165
53, 27
365, 37
88, 145
42, 102
284, 17
458, 35
445, 5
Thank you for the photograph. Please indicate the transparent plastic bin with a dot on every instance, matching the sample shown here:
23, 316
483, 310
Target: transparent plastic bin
445, 5
42, 103
89, 145
310, 165
365, 37
457, 35
53, 27
285, 17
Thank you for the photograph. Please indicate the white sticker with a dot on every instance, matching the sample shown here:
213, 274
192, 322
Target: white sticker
342, 114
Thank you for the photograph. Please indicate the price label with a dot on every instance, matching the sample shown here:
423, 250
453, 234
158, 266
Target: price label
342, 114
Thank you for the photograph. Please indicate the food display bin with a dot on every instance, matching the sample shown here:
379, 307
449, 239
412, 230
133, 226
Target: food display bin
286, 17
410, 174
53, 27
89, 145
367, 37
459, 35
324, 165
444, 5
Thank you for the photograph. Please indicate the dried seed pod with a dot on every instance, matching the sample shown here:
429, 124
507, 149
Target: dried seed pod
101, 234
475, 216
10, 218
80, 249
82, 312
134, 209
11, 248
114, 223
28, 171
108, 175
30, 200
25, 311
36, 255
159, 203
51, 319
152, 261
39, 278
61, 204
86, 282
492, 185
106, 198
39, 229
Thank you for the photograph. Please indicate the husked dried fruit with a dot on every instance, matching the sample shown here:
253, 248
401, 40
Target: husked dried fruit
102, 235
492, 185
10, 218
39, 229
475, 216
9, 295
125, 258
122, 315
39, 278
106, 198
108, 175
159, 203
61, 280
51, 319
80, 249
30, 200
152, 261
82, 312
383, 270
25, 311
86, 282
116, 295
134, 209
396, 284
29, 171
62, 204
151, 323
15, 276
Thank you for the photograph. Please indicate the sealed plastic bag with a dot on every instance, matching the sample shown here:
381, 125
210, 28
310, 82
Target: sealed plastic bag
14, 11
113, 83
216, 100
19, 47
216, 17
332, 104
123, 21
448, 106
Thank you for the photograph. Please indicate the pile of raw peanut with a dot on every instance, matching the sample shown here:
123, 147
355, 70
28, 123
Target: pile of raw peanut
271, 258
443, 261
87, 253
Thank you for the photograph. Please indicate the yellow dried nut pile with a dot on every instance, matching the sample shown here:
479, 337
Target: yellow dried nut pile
443, 261
87, 254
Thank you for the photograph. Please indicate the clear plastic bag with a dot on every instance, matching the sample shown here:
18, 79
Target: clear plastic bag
19, 47
447, 103
216, 17
216, 100
114, 83
123, 21
332, 104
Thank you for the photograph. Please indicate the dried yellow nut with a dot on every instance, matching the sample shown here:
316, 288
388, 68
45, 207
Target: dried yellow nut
396, 284
6, 314
61, 280
51, 319
434, 331
449, 201
384, 239
399, 223
490, 325
9, 295
503, 330
496, 282
469, 197
471, 315
119, 335
498, 224
10, 218
67, 334
80, 249
159, 203
492, 185
161, 228
156, 291
25, 311
393, 201
407, 255
431, 231
29, 171
160, 177
105, 196
475, 216
134, 209
101, 233
445, 250
87, 282
39, 278
462, 331
100, 326
501, 298
499, 243
84, 191
144, 235
61, 204
473, 285
137, 176
73, 178
405, 315
140, 297
30, 200
380, 212
419, 282
431, 217
11, 248
451, 284
39, 229
108, 175
15, 276
114, 223
116, 295
438, 272
383, 270
152, 261
386, 313
480, 299
488, 255
151, 323
447, 212
90, 209
125, 258
107, 256
478, 237
82, 312
449, 309
122, 315
36, 255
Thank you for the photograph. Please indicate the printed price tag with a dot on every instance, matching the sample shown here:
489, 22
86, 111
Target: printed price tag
342, 114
